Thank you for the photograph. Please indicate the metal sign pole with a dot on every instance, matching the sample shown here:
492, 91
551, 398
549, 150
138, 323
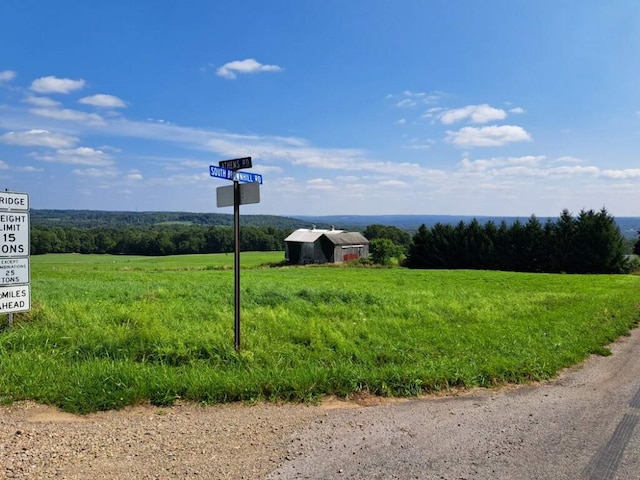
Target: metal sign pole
229, 170
236, 261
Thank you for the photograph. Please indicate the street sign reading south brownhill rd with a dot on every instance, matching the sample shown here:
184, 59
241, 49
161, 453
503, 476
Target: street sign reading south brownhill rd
236, 163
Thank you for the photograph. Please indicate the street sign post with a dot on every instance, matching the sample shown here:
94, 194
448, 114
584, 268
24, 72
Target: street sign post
236, 195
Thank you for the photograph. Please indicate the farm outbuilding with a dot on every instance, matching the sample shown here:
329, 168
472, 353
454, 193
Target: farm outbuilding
314, 245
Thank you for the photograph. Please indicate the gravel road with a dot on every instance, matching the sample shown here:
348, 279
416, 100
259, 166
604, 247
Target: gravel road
579, 426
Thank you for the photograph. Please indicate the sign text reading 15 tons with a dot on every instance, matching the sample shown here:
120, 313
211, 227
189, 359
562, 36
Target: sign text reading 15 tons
14, 232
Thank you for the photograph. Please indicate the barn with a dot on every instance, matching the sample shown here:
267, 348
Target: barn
314, 245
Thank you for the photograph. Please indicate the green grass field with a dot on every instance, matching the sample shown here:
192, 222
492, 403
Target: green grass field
110, 331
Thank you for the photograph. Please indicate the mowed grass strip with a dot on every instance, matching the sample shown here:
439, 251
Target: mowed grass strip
105, 332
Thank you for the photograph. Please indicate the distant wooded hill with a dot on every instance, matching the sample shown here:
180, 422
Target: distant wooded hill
171, 233
629, 226
98, 218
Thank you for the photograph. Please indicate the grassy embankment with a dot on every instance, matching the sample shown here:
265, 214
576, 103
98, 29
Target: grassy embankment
105, 332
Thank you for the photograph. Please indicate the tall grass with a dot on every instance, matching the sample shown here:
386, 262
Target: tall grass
105, 332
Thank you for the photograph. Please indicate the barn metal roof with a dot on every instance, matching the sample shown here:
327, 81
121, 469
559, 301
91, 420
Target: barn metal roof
307, 235
346, 238
337, 237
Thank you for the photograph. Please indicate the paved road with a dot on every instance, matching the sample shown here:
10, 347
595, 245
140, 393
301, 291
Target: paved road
580, 426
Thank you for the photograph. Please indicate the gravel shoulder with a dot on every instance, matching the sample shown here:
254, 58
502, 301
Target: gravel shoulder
146, 442
554, 430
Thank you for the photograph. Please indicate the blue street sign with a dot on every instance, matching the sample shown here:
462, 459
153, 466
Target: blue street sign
248, 177
220, 172
227, 173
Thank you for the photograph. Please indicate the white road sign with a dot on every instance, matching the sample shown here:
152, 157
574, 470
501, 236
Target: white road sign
15, 299
14, 234
14, 271
249, 193
14, 201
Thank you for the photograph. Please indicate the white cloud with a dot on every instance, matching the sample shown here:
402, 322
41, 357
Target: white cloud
44, 102
402, 121
409, 99
492, 136
77, 156
134, 175
418, 144
475, 113
52, 84
573, 170
7, 76
38, 138
232, 69
320, 184
347, 178
568, 159
407, 102
3, 165
69, 115
535, 167
392, 183
483, 165
622, 174
517, 110
267, 169
104, 101
96, 172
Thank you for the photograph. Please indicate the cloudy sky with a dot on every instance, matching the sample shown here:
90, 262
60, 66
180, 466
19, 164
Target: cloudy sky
459, 107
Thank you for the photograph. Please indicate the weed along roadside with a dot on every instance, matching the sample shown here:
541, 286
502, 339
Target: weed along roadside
106, 332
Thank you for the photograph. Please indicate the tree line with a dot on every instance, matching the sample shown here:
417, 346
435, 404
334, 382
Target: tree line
589, 243
159, 240
106, 219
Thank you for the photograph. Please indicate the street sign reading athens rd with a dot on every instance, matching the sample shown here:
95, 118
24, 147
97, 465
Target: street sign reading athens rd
236, 163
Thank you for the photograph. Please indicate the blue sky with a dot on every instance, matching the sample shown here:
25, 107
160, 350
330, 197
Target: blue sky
347, 107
